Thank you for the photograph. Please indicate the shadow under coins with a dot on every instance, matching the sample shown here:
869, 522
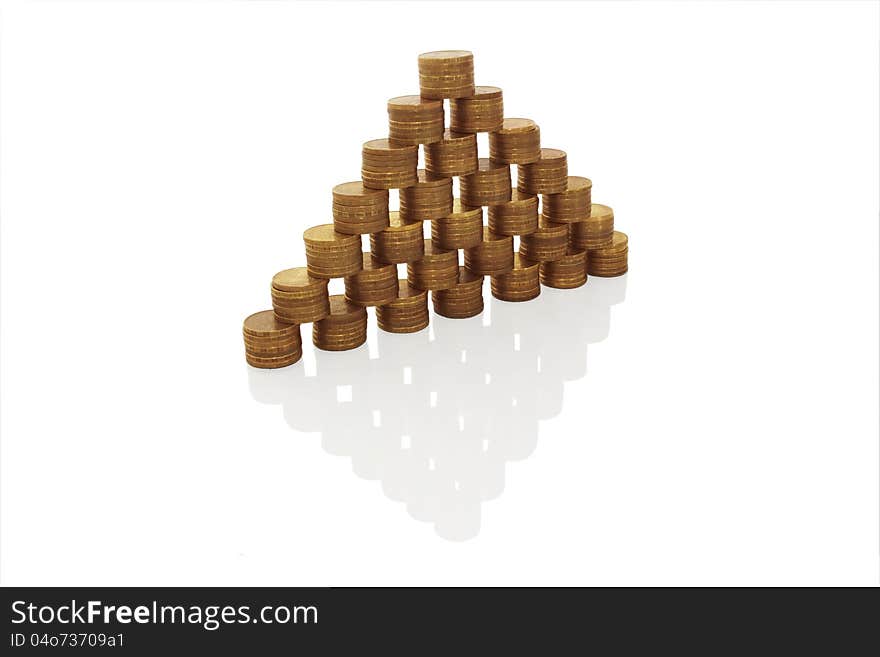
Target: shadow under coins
438, 414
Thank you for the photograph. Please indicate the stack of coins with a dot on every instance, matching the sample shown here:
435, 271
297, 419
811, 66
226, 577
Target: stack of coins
595, 232
547, 175
358, 210
482, 112
401, 242
566, 273
571, 205
373, 285
570, 239
269, 343
407, 313
446, 74
549, 242
519, 284
385, 166
344, 328
489, 185
413, 120
436, 270
518, 216
330, 254
298, 298
494, 255
454, 155
610, 260
429, 198
518, 141
463, 300
460, 229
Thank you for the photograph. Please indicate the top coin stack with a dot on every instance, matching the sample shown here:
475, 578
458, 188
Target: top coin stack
574, 238
446, 74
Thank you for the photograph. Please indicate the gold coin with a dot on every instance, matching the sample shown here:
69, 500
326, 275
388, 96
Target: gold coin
436, 270
518, 216
465, 299
324, 236
289, 343
272, 351
494, 255
489, 185
415, 104
445, 57
548, 175
429, 198
598, 211
521, 283
565, 273
481, 112
460, 229
263, 324
273, 363
548, 242
406, 314
297, 279
454, 155
345, 328
354, 193
571, 205
446, 74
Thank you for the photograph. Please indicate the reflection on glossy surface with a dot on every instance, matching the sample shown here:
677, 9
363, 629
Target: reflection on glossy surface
437, 415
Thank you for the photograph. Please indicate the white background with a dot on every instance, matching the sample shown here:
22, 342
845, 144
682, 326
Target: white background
160, 162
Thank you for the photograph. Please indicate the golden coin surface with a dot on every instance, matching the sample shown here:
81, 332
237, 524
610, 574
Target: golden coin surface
548, 175
489, 185
518, 216
388, 166
298, 279
273, 351
518, 141
599, 211
401, 242
254, 342
384, 148
460, 229
548, 242
566, 273
482, 112
454, 155
264, 324
354, 193
517, 125
446, 74
429, 198
619, 242
408, 313
303, 298
345, 328
436, 270
414, 103
273, 363
494, 255
445, 57
415, 120
374, 285
326, 235
521, 283
612, 260
571, 205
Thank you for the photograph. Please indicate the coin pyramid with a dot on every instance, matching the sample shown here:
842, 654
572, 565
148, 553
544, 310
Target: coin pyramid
569, 239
